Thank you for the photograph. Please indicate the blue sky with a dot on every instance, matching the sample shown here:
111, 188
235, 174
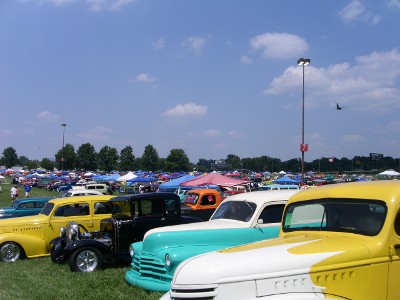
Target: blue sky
211, 77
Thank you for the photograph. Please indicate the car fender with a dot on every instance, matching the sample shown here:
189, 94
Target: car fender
32, 246
71, 248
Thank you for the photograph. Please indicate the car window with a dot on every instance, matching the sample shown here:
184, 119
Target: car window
27, 205
235, 210
102, 208
272, 213
170, 206
360, 216
151, 208
69, 210
207, 200
47, 209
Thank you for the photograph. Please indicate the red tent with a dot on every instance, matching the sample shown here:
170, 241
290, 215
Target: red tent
215, 179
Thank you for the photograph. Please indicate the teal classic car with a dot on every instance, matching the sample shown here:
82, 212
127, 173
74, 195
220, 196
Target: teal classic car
239, 219
23, 207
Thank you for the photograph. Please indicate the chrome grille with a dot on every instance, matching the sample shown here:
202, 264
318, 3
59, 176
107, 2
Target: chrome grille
198, 293
151, 267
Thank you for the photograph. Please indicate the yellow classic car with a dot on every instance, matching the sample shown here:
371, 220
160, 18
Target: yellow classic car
340, 241
30, 236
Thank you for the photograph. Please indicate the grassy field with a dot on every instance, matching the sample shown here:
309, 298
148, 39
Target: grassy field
40, 278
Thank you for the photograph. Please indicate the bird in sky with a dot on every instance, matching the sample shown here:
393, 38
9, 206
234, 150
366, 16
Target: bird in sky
339, 107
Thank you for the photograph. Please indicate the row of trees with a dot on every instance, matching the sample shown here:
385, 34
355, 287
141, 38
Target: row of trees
108, 159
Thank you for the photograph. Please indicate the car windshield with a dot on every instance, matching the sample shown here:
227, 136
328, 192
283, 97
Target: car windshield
235, 210
191, 198
364, 217
48, 207
15, 204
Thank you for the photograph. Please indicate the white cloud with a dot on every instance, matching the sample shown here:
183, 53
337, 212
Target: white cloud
159, 44
235, 134
196, 43
353, 138
246, 60
47, 116
144, 78
61, 2
99, 133
205, 133
369, 84
189, 109
94, 5
355, 11
394, 3
279, 45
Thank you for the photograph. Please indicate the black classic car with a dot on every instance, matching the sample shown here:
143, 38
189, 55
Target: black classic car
132, 216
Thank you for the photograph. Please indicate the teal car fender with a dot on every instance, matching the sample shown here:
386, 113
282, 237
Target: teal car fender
155, 260
239, 219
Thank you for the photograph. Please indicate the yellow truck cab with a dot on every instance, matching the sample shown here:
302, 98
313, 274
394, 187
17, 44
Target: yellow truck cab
30, 236
339, 241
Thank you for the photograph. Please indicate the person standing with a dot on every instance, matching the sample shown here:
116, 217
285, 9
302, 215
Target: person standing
14, 193
27, 190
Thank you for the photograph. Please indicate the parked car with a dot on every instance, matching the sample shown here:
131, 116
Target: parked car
100, 187
132, 216
240, 219
201, 203
338, 241
30, 236
24, 207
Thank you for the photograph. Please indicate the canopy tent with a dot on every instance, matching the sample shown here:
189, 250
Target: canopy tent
285, 180
389, 172
112, 177
175, 183
215, 179
141, 179
127, 176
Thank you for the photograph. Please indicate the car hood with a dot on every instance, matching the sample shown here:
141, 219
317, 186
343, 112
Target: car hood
6, 209
212, 224
270, 259
11, 224
216, 232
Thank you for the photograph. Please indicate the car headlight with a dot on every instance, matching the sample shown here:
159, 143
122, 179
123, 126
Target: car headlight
63, 232
167, 260
131, 251
72, 234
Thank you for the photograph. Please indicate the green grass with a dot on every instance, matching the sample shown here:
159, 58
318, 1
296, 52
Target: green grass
40, 278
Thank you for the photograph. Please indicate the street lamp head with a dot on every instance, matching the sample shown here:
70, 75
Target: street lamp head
303, 61
63, 124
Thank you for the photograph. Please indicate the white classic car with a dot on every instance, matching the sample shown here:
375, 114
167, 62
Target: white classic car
340, 241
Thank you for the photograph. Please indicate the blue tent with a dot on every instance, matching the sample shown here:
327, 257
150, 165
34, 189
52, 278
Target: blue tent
141, 179
175, 183
285, 180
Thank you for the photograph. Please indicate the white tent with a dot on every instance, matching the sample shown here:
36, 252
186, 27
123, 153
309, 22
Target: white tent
127, 176
389, 172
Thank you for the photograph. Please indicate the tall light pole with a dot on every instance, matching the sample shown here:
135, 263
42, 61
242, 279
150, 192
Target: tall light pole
62, 150
303, 147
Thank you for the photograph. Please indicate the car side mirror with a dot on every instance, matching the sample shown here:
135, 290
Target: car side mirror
260, 221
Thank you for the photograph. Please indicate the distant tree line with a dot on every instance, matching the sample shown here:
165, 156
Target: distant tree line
85, 158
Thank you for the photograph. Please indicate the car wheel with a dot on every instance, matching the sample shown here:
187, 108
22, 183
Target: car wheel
87, 259
9, 252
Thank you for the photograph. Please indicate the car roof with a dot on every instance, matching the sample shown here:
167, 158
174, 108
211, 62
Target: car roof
38, 199
261, 197
82, 198
95, 192
385, 190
